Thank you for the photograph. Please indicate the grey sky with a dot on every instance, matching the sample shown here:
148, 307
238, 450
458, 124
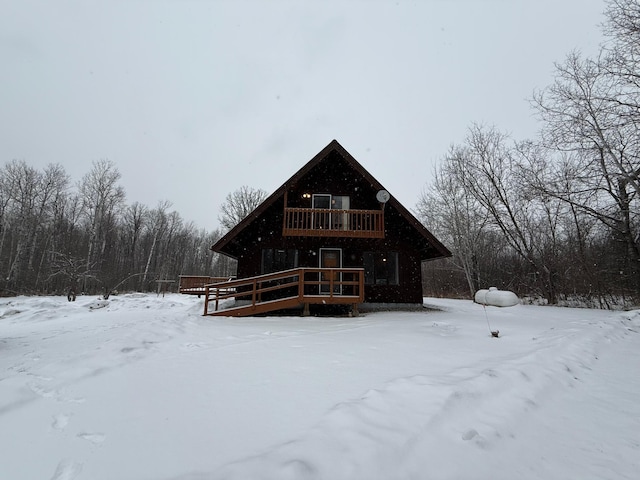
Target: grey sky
192, 99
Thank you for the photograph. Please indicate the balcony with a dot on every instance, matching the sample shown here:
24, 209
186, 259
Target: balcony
322, 222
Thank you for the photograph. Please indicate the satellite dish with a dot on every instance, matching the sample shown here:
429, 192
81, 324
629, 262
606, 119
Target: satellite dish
383, 196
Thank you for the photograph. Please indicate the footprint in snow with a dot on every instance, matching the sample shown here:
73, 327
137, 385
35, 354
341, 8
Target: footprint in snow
472, 434
95, 438
39, 377
41, 391
60, 421
54, 394
67, 470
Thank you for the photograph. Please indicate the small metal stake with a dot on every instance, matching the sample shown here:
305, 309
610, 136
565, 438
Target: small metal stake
494, 333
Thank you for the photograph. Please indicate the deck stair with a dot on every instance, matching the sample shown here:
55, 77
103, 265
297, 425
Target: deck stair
288, 289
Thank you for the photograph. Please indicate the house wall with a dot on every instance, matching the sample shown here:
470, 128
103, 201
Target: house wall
266, 232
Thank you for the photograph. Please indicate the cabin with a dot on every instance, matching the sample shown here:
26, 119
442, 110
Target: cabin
330, 235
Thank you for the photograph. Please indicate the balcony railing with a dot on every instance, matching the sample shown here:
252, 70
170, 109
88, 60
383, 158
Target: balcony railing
321, 222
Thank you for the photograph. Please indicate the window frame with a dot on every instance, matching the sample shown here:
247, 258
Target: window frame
381, 268
270, 263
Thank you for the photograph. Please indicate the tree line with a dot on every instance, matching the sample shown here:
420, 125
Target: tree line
56, 237
555, 217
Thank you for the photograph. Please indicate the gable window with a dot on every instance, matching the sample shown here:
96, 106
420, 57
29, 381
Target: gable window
381, 268
321, 200
278, 259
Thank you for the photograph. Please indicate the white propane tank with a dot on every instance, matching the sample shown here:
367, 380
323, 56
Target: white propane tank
497, 298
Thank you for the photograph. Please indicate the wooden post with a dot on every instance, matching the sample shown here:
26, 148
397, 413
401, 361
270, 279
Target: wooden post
253, 293
285, 220
162, 286
301, 284
206, 300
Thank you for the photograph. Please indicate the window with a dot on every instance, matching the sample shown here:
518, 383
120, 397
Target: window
278, 259
321, 220
340, 202
340, 221
381, 268
321, 200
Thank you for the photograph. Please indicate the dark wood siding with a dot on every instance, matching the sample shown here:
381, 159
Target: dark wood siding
336, 177
266, 232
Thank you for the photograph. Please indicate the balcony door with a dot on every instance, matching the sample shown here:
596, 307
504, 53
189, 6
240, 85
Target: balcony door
321, 220
341, 219
328, 220
330, 258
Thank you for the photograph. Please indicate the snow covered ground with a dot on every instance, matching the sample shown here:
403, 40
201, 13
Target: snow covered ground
143, 387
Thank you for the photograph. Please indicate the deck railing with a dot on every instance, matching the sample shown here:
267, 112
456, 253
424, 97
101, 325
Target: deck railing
194, 284
300, 285
322, 222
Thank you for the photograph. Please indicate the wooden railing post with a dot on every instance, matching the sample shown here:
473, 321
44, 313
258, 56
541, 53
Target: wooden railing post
301, 284
331, 279
206, 300
253, 293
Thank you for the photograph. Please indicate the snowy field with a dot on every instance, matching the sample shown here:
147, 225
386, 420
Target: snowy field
143, 387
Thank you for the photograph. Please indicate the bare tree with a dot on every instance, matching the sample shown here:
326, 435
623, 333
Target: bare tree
21, 187
457, 218
52, 193
71, 270
239, 204
592, 110
102, 199
491, 172
157, 225
622, 51
29, 200
135, 218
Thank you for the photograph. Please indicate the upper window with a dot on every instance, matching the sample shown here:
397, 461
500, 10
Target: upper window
381, 268
321, 200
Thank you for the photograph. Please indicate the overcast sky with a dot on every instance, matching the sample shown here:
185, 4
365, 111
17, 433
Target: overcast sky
193, 99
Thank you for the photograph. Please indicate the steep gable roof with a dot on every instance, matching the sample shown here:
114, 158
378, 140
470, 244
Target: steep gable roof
220, 245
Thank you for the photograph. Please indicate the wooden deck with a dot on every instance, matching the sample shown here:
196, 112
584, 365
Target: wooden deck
320, 222
195, 284
295, 288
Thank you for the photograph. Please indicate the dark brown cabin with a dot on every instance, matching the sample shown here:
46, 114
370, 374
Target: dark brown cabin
333, 214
